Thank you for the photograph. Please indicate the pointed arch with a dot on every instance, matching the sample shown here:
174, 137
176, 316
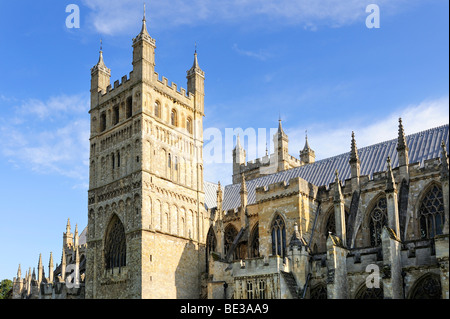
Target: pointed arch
278, 231
427, 287
430, 211
374, 220
115, 250
254, 241
229, 236
364, 292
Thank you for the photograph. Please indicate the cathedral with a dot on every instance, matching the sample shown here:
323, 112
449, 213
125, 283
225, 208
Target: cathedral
368, 224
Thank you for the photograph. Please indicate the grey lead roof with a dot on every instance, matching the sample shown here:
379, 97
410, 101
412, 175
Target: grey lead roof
422, 146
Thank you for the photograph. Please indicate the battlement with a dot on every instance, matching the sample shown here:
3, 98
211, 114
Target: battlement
182, 94
281, 189
260, 266
114, 90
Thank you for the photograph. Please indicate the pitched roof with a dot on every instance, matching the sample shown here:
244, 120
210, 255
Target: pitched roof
422, 146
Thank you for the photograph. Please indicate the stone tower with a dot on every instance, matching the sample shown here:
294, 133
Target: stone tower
146, 212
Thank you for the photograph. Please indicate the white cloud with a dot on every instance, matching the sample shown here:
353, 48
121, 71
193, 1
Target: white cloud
49, 137
117, 16
328, 141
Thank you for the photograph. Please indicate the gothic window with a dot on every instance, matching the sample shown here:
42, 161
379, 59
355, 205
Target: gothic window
169, 161
129, 109
250, 289
115, 245
118, 159
331, 223
432, 213
278, 237
157, 109
254, 242
428, 287
173, 117
319, 292
113, 161
377, 219
230, 235
189, 125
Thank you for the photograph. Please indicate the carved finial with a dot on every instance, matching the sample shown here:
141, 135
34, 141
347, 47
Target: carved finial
401, 143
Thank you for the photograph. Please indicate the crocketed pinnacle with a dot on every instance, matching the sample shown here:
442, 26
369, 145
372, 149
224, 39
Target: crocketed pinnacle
401, 144
354, 150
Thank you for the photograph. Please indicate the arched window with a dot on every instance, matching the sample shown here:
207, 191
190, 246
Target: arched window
432, 213
157, 110
427, 287
331, 223
102, 122
173, 117
189, 125
129, 109
369, 293
278, 237
319, 292
230, 235
254, 242
116, 114
115, 244
377, 219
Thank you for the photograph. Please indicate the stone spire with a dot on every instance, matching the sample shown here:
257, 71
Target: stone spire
401, 145
239, 155
307, 155
67, 236
40, 269
390, 180
355, 164
19, 272
143, 54
402, 150
219, 200
337, 187
354, 157
76, 237
392, 201
144, 24
63, 266
50, 268
244, 195
339, 210
444, 161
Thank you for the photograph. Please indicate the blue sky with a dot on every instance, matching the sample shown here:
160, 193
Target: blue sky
313, 63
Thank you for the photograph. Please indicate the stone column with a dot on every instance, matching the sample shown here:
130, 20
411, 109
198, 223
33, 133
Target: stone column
392, 266
442, 252
337, 286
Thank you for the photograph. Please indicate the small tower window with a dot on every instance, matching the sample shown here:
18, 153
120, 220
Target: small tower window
278, 237
189, 125
173, 117
116, 115
157, 110
102, 122
129, 109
